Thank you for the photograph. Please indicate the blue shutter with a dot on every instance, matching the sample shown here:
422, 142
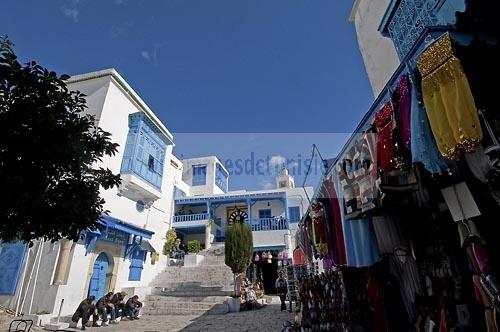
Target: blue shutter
294, 213
136, 265
199, 175
11, 261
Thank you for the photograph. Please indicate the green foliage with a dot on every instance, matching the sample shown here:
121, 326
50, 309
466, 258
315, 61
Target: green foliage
238, 247
194, 246
48, 152
168, 247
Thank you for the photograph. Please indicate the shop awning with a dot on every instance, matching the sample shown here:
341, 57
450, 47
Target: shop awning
115, 223
146, 246
119, 232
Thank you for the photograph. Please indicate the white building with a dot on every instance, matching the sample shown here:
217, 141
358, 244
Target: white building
272, 214
124, 255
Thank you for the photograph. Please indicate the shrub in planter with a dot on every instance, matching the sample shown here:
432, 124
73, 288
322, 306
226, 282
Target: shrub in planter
238, 249
194, 246
168, 247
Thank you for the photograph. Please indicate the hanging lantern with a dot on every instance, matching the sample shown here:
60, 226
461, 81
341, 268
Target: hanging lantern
269, 257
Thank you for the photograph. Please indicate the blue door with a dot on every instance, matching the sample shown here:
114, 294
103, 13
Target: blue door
136, 265
97, 285
11, 261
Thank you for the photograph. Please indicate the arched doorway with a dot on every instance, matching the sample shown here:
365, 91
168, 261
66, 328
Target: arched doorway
98, 281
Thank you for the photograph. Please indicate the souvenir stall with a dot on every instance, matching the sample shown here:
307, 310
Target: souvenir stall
406, 210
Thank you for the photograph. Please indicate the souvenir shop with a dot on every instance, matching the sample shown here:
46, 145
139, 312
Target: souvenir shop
404, 220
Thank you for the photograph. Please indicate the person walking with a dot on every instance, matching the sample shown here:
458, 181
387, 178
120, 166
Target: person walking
282, 289
84, 310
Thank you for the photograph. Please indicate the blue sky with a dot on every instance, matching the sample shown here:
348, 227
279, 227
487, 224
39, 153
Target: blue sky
212, 66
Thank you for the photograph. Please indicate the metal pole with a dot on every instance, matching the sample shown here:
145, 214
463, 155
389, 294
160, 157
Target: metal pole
26, 258
60, 309
36, 276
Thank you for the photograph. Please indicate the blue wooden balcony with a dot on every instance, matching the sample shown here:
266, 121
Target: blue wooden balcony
191, 217
269, 224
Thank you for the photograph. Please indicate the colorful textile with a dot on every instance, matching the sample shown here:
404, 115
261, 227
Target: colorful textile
364, 242
423, 145
448, 100
385, 140
334, 217
319, 227
403, 111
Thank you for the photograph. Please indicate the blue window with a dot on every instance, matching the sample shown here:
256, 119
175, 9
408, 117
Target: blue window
136, 265
264, 213
145, 150
221, 177
199, 175
11, 261
294, 213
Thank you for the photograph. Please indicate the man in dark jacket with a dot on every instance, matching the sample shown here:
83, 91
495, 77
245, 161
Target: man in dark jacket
133, 306
282, 289
84, 310
118, 301
104, 306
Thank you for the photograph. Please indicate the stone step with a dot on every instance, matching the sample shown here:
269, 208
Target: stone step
210, 299
168, 307
190, 292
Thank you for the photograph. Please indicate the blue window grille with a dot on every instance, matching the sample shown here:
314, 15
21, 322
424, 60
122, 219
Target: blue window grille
294, 213
199, 175
221, 178
145, 150
136, 265
409, 20
264, 213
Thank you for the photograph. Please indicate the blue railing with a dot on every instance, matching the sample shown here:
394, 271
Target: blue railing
191, 217
269, 224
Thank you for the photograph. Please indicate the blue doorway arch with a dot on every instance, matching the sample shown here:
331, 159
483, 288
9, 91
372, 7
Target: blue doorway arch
97, 285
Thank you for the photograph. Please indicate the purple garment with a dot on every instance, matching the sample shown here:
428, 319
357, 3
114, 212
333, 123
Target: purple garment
403, 111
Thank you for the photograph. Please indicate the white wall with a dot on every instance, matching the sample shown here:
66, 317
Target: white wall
379, 53
112, 107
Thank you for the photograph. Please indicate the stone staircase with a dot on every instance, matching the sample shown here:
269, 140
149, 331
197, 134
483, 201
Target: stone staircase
195, 290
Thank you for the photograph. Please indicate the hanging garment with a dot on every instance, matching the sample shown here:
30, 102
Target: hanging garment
404, 268
448, 100
423, 145
319, 227
385, 140
468, 232
388, 234
375, 297
337, 244
363, 175
479, 164
403, 111
364, 242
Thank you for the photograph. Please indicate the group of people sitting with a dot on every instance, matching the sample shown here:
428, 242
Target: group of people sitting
251, 293
112, 304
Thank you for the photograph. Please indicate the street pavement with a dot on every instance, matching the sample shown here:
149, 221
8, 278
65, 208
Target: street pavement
267, 319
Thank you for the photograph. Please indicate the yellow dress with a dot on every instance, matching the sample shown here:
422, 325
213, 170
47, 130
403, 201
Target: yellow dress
448, 100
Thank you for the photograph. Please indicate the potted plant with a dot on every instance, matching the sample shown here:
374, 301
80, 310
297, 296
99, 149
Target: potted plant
194, 246
239, 251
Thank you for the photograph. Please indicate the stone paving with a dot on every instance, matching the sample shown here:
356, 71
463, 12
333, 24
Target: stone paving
269, 318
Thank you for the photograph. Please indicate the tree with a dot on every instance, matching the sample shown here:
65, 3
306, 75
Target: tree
168, 247
49, 186
238, 248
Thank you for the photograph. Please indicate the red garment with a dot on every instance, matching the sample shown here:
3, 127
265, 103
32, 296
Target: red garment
320, 233
376, 301
335, 224
385, 140
403, 111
